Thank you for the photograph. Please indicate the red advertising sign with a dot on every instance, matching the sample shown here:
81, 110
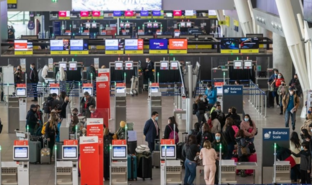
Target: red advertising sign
178, 44
119, 142
129, 13
20, 45
103, 88
96, 13
84, 14
90, 160
167, 141
63, 14
140, 44
177, 13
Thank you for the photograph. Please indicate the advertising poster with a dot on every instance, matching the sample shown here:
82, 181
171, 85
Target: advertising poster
59, 45
103, 88
178, 44
158, 44
133, 44
22, 45
110, 5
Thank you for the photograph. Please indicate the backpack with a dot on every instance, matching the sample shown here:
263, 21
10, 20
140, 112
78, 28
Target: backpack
44, 128
235, 128
209, 123
206, 136
173, 134
47, 105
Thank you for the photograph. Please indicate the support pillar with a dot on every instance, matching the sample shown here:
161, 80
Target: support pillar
281, 57
244, 16
221, 17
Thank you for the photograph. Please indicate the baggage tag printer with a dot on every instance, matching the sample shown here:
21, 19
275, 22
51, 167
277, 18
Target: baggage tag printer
170, 167
119, 165
16, 171
54, 88
66, 171
21, 92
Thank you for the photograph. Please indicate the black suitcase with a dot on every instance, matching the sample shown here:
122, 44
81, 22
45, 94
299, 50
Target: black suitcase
179, 151
145, 168
131, 147
270, 99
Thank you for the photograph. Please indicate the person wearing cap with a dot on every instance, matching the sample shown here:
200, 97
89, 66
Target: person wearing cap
290, 106
31, 119
85, 103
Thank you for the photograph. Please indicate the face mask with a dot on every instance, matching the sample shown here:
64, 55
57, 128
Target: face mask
279, 77
275, 74
217, 137
156, 119
84, 98
92, 111
301, 147
246, 119
309, 112
291, 93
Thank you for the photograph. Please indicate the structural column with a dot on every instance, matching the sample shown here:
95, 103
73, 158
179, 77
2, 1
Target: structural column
281, 57
244, 16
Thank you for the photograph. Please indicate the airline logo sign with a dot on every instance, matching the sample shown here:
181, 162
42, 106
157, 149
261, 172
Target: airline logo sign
94, 121
96, 13
88, 139
129, 13
178, 44
103, 78
84, 14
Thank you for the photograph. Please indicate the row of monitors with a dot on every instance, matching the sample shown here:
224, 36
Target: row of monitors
164, 65
136, 44
21, 92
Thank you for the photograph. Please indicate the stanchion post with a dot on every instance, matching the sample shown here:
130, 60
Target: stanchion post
165, 165
55, 159
220, 159
110, 166
274, 165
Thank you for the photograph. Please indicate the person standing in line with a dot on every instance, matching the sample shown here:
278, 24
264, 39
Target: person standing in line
32, 119
216, 125
18, 74
305, 163
51, 131
271, 83
189, 152
33, 77
149, 74
249, 127
151, 131
211, 94
296, 84
169, 128
290, 106
201, 108
281, 91
229, 136
294, 146
85, 103
209, 157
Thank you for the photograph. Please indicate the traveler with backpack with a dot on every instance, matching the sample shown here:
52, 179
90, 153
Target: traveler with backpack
169, 132
51, 131
31, 119
204, 135
47, 105
229, 136
201, 109
242, 148
249, 127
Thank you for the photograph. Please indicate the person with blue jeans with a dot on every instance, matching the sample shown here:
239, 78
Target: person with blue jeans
189, 152
290, 106
211, 94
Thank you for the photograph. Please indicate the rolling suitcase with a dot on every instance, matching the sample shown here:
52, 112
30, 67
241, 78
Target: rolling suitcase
145, 168
270, 99
251, 158
45, 155
34, 150
156, 159
132, 167
131, 147
157, 145
59, 150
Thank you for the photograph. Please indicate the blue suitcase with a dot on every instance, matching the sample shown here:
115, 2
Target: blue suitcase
132, 167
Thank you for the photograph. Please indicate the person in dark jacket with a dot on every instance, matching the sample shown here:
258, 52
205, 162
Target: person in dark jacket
91, 73
271, 82
295, 83
31, 119
149, 74
229, 136
18, 74
151, 131
63, 107
85, 104
33, 77
108, 137
189, 152
51, 131
233, 114
169, 128
305, 163
204, 135
201, 109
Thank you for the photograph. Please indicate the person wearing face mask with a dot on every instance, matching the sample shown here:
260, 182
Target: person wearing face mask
95, 113
281, 91
290, 106
149, 75
151, 131
169, 128
305, 163
85, 103
211, 94
219, 140
33, 77
295, 147
308, 121
220, 115
18, 74
249, 127
31, 119
271, 82
200, 109
295, 83
277, 84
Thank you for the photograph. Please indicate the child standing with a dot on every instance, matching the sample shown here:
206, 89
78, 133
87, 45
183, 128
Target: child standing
305, 163
209, 156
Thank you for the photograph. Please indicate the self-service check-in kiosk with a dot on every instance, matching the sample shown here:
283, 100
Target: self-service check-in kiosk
54, 88
17, 171
66, 170
21, 96
170, 167
118, 167
120, 104
155, 102
87, 87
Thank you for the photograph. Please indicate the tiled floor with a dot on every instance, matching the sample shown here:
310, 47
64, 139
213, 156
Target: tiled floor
137, 113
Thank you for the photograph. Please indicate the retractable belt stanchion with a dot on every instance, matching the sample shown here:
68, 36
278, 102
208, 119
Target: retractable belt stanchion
219, 170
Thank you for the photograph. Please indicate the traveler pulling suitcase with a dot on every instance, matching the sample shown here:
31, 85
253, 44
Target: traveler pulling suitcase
132, 167
45, 154
34, 151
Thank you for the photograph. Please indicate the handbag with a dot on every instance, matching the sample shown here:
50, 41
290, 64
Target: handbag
1, 126
252, 148
244, 150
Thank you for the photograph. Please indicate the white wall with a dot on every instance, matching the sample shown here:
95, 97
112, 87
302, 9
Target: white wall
229, 31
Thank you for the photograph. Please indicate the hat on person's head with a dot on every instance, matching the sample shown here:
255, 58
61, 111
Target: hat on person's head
291, 88
33, 106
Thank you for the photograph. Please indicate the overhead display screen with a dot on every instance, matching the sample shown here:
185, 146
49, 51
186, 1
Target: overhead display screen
178, 44
229, 43
110, 5
133, 44
78, 45
249, 43
23, 45
158, 44
113, 44
59, 45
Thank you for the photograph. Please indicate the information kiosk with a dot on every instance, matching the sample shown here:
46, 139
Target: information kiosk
21, 93
120, 104
118, 167
66, 171
171, 169
54, 88
16, 171
87, 87
155, 102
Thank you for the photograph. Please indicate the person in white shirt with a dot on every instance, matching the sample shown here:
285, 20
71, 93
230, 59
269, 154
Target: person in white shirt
295, 147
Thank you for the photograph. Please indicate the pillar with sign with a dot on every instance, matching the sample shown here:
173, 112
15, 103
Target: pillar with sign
103, 89
233, 97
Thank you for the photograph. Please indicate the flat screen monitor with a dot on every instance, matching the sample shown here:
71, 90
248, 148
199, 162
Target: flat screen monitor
93, 25
63, 65
154, 89
177, 34
54, 90
248, 64
149, 25
72, 66
122, 25
20, 153
127, 25
229, 43
188, 24
238, 64
59, 45
249, 43
113, 44
69, 152
155, 25
111, 5
21, 92
169, 14
168, 152
88, 25
158, 44
182, 24
23, 45
219, 90
189, 12
119, 152
133, 44
164, 65
129, 65
173, 65
121, 90
78, 44
87, 89
118, 66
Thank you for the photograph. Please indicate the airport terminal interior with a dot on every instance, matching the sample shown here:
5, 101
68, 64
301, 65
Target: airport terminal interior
87, 86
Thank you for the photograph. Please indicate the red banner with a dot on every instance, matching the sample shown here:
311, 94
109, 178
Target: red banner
178, 44
103, 89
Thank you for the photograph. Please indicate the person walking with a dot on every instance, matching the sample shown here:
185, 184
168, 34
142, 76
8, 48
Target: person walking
189, 152
33, 77
290, 106
295, 83
151, 131
281, 91
271, 83
209, 157
211, 94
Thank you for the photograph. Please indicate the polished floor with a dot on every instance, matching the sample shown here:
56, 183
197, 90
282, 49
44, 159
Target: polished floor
137, 112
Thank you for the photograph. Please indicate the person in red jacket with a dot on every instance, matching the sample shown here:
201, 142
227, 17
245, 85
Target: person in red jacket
278, 82
95, 113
